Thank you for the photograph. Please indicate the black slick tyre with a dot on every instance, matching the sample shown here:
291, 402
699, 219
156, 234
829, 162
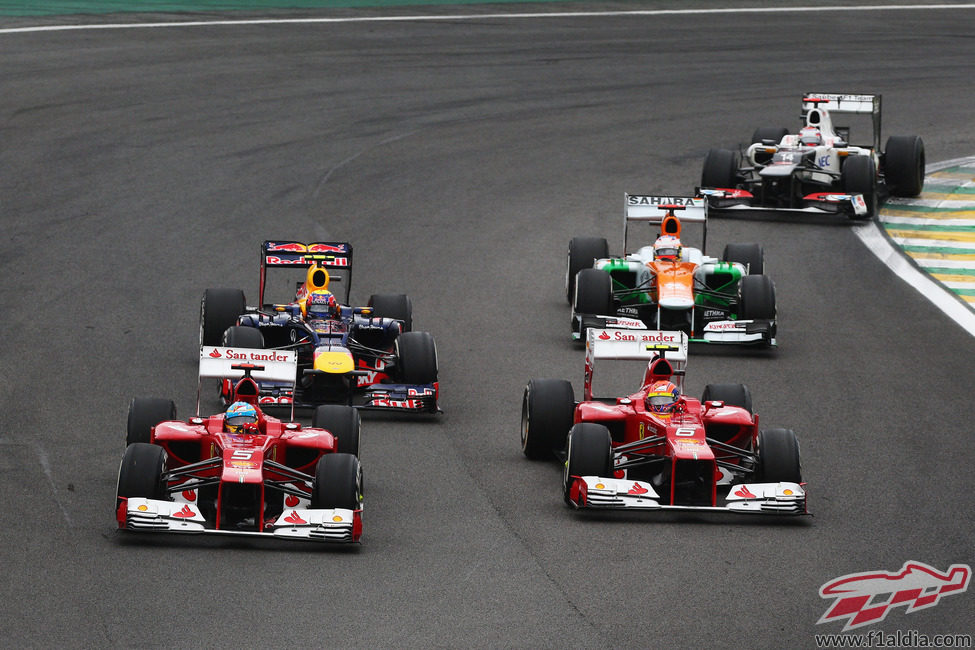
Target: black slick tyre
342, 422
778, 457
730, 394
757, 298
594, 293
416, 358
393, 305
547, 409
141, 472
144, 414
860, 177
583, 251
904, 165
751, 255
219, 310
240, 336
589, 453
720, 169
338, 482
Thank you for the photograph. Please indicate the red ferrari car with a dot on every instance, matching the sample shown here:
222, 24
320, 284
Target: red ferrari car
658, 449
242, 472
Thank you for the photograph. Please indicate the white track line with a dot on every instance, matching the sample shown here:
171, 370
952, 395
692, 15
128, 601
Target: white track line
496, 16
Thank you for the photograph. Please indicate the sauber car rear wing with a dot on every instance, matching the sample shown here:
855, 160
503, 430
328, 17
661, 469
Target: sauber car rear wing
653, 209
850, 104
632, 345
234, 363
293, 254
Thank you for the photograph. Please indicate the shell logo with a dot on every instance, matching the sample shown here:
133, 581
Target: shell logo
337, 518
600, 486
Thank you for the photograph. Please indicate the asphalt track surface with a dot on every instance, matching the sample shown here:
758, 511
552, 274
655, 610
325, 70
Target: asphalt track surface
142, 166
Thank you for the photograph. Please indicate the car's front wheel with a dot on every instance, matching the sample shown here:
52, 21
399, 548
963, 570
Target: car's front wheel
590, 453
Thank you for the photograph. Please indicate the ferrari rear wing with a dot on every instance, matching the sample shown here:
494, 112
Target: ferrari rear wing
849, 104
235, 363
654, 209
632, 345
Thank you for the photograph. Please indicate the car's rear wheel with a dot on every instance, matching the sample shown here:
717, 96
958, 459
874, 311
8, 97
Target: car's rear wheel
141, 472
546, 416
393, 305
583, 251
342, 422
751, 255
144, 414
219, 310
240, 336
778, 457
416, 358
757, 299
720, 169
860, 177
590, 453
338, 482
904, 165
730, 394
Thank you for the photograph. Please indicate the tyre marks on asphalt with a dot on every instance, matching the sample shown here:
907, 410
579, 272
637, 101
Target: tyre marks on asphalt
937, 229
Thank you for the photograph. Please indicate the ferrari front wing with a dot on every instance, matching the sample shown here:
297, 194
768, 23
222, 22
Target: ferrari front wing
747, 498
318, 525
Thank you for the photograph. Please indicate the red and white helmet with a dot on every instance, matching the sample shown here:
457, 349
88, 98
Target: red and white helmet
667, 247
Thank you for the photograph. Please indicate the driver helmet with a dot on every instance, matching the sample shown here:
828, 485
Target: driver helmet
238, 416
810, 136
321, 305
667, 247
661, 397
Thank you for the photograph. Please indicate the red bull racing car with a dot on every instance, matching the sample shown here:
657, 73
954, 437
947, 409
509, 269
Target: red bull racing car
367, 357
817, 169
242, 472
658, 449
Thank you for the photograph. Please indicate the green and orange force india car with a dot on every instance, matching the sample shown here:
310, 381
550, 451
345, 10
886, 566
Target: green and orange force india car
625, 453
727, 300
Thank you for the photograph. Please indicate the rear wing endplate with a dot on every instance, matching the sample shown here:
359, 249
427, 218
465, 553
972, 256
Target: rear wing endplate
632, 345
653, 209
